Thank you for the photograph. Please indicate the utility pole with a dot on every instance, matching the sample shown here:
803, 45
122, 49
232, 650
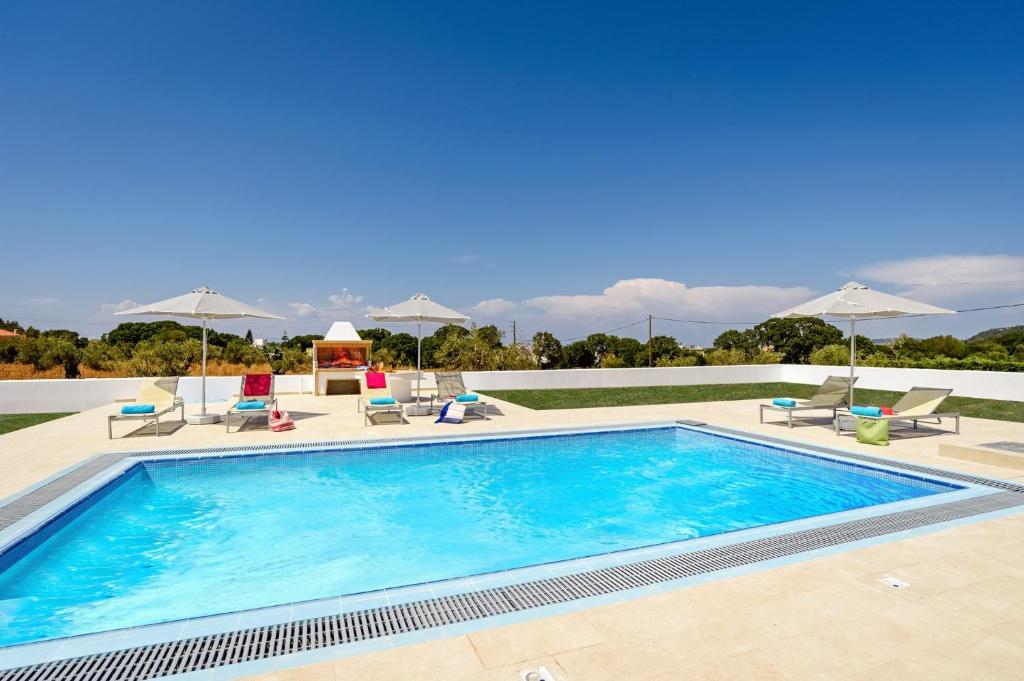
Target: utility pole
650, 343
513, 332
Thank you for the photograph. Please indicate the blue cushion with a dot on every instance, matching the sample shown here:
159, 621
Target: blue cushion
138, 409
866, 411
784, 402
467, 398
251, 404
382, 400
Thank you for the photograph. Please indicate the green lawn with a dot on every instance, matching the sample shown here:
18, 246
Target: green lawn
672, 394
11, 422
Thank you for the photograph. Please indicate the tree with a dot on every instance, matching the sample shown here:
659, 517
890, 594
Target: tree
248, 336
376, 335
733, 339
11, 325
578, 355
547, 349
404, 347
629, 351
101, 355
239, 352
490, 334
796, 339
663, 347
725, 357
289, 360
599, 345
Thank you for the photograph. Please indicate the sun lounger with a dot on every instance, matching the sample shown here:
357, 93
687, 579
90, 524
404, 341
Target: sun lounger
158, 393
832, 394
451, 387
255, 396
919, 404
375, 396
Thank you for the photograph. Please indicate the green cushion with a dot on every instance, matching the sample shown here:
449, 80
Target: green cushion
873, 431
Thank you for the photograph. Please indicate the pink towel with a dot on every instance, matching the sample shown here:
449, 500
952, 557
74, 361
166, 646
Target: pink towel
375, 379
256, 385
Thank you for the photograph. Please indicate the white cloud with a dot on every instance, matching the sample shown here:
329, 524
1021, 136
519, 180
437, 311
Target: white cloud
342, 304
126, 304
947, 276
344, 299
495, 306
303, 309
629, 300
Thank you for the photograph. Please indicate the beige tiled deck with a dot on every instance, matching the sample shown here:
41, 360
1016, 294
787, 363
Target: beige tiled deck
961, 618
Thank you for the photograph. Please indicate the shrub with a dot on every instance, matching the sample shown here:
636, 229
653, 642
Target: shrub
290, 361
515, 358
239, 352
611, 361
682, 361
101, 356
725, 357
766, 357
831, 355
166, 358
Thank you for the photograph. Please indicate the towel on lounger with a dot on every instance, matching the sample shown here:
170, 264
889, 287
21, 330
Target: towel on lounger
138, 409
251, 404
382, 400
784, 402
375, 380
466, 398
866, 411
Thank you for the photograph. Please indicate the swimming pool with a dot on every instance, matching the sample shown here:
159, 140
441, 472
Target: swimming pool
186, 537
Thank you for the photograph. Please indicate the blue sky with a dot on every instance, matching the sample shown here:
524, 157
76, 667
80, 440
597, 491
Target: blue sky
573, 166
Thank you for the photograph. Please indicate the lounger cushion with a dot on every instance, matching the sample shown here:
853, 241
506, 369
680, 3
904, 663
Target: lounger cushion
467, 398
251, 404
138, 409
866, 411
256, 385
784, 402
378, 401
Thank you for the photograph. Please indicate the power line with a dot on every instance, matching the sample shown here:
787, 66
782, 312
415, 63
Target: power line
617, 328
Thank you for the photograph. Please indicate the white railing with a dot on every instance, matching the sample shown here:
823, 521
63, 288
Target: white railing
53, 395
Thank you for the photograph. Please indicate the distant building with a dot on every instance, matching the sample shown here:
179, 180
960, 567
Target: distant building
4, 333
259, 342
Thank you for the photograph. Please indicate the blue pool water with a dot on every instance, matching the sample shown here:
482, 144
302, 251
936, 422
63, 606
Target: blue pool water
179, 539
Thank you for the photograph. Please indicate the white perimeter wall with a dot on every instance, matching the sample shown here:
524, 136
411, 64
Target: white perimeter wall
52, 395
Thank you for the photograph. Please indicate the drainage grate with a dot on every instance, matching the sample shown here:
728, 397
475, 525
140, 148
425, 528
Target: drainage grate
208, 652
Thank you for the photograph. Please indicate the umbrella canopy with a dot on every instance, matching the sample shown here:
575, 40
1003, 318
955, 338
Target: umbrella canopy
855, 301
419, 309
204, 304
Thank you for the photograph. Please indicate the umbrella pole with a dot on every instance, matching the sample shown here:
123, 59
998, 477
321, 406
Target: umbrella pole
419, 352
203, 410
853, 353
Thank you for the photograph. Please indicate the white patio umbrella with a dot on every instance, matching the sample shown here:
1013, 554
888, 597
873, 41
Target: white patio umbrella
204, 304
419, 309
855, 301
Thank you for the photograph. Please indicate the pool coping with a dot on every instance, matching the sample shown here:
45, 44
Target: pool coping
35, 653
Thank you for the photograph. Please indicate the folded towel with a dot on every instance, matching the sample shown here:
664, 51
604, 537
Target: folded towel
784, 402
467, 398
887, 411
375, 379
865, 411
138, 409
251, 404
382, 400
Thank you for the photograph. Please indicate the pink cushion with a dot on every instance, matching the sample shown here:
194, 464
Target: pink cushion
375, 379
256, 385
